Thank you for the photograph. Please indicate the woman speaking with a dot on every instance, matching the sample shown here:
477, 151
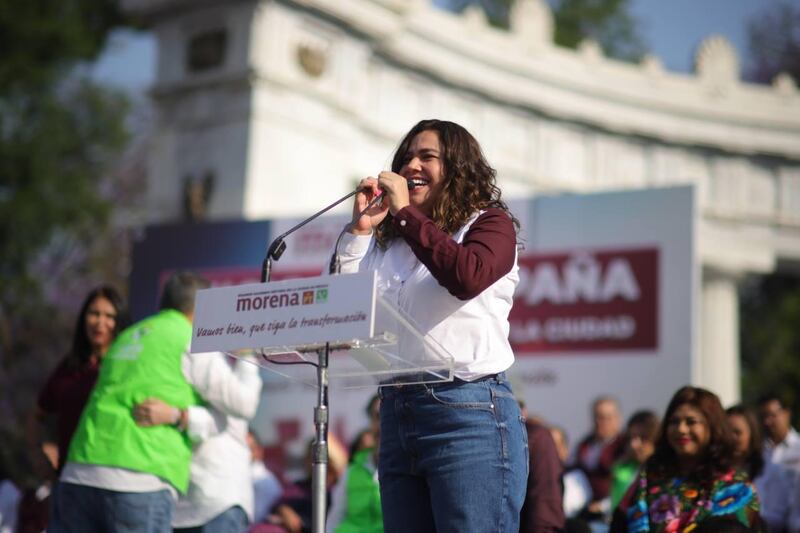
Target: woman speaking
453, 456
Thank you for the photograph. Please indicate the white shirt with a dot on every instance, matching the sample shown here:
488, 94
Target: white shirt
786, 450
774, 487
474, 332
113, 478
577, 492
779, 485
794, 504
220, 470
233, 398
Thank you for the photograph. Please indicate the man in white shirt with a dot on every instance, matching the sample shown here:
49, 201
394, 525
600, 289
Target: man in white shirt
780, 482
781, 439
220, 494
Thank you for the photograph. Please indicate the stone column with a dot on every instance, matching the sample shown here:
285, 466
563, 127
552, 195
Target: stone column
718, 367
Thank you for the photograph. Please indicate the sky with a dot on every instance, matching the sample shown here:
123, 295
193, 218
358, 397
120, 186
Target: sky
672, 30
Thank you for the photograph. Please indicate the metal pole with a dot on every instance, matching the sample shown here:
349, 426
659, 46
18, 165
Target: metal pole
319, 476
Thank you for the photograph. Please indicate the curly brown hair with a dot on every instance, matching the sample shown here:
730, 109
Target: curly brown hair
718, 455
469, 183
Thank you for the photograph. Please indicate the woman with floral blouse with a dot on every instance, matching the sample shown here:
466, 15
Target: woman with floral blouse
690, 477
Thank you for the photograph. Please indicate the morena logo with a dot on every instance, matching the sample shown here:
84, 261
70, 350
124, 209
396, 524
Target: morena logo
256, 302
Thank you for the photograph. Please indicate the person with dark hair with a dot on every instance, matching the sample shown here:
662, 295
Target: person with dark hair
773, 481
120, 476
368, 437
747, 451
180, 290
690, 477
782, 441
102, 316
781, 450
453, 455
641, 433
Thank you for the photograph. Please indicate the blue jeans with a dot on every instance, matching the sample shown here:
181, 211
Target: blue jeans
83, 509
232, 520
453, 457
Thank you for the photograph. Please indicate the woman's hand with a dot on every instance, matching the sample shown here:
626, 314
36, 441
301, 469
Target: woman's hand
368, 188
154, 412
395, 187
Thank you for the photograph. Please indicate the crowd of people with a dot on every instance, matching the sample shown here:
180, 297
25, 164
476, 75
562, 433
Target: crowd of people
152, 438
698, 466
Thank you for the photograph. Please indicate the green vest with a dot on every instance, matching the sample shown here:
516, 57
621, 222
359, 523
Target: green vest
622, 475
143, 362
363, 514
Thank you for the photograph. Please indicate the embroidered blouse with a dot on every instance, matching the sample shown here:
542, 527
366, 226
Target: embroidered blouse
677, 504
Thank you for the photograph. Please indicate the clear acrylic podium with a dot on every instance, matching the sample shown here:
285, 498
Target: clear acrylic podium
284, 324
328, 330
397, 353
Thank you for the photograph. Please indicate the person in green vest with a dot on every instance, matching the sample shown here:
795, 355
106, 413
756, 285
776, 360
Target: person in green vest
120, 476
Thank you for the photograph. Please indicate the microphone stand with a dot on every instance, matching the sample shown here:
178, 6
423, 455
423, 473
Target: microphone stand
319, 475
278, 246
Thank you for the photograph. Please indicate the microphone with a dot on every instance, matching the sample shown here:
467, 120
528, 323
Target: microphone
335, 265
409, 183
278, 246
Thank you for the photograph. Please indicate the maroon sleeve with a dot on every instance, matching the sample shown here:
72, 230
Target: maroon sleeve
543, 510
486, 254
48, 395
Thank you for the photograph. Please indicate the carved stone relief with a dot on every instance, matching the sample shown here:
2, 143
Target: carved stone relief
717, 64
312, 58
532, 21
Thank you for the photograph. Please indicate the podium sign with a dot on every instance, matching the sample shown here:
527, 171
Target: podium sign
285, 313
282, 324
